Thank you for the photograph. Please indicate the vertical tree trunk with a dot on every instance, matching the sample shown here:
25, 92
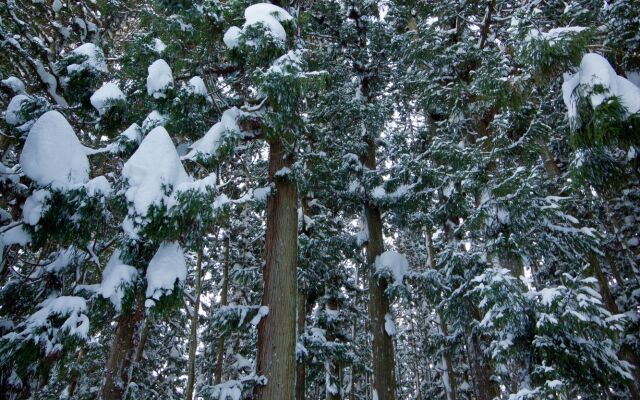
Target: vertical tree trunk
301, 367
384, 379
193, 337
626, 353
223, 301
485, 388
120, 361
448, 375
354, 330
277, 331
333, 384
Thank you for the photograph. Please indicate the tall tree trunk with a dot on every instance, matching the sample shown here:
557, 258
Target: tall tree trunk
120, 361
626, 353
301, 366
277, 331
485, 388
333, 384
223, 301
448, 375
193, 337
384, 379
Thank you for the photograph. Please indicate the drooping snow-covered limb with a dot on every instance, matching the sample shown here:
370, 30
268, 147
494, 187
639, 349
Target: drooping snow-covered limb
48, 80
193, 335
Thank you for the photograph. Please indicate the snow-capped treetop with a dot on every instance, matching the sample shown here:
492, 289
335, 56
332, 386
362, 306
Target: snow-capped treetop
53, 155
599, 81
159, 79
15, 84
12, 116
393, 263
268, 15
100, 98
94, 59
166, 266
153, 167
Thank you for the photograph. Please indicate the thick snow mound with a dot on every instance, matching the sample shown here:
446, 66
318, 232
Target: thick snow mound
153, 167
12, 116
53, 155
393, 263
153, 120
15, 235
14, 84
35, 206
94, 59
232, 37
159, 79
158, 46
268, 15
98, 186
115, 278
599, 80
166, 266
209, 144
108, 91
196, 86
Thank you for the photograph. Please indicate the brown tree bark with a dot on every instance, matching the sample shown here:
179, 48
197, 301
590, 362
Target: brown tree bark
120, 361
277, 331
223, 301
384, 379
193, 337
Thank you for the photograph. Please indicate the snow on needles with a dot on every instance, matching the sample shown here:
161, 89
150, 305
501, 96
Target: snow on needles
267, 15
93, 59
153, 167
166, 266
12, 115
208, 145
53, 155
15, 84
160, 78
115, 278
599, 81
40, 328
196, 86
107, 93
394, 264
